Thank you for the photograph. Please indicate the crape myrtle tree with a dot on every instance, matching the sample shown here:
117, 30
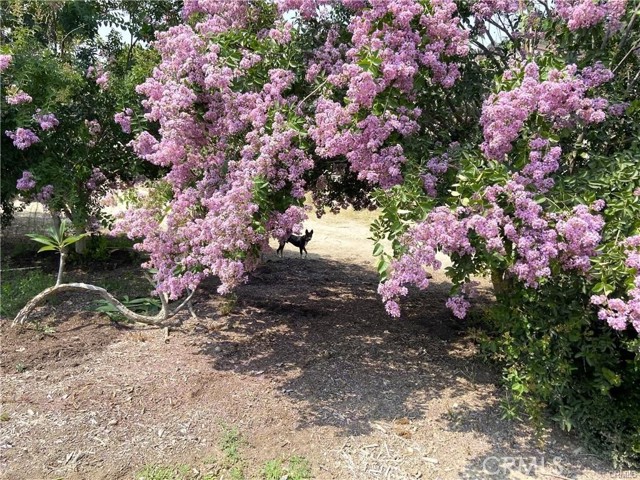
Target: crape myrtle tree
503, 133
66, 93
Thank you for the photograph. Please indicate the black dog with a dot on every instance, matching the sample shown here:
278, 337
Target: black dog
298, 240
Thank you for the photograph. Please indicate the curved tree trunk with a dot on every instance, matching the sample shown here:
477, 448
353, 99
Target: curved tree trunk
158, 319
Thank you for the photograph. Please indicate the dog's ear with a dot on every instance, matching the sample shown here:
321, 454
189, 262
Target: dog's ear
306, 232
311, 232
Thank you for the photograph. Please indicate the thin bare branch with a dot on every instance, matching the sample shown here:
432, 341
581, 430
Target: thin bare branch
633, 47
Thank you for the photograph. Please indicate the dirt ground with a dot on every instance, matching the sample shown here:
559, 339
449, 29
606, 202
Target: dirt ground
307, 363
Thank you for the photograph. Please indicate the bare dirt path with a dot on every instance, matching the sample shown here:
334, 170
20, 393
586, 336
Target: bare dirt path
307, 363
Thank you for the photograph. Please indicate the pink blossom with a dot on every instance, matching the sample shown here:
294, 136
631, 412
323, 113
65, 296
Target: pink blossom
18, 98
124, 120
618, 109
5, 60
44, 195
93, 126
22, 138
281, 34
392, 308
96, 179
538, 240
488, 8
587, 13
458, 305
47, 121
103, 80
561, 99
26, 182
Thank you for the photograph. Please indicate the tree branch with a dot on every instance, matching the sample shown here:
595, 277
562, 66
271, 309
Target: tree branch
159, 319
65, 38
490, 55
633, 47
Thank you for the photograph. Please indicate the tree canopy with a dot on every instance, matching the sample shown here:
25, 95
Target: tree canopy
503, 133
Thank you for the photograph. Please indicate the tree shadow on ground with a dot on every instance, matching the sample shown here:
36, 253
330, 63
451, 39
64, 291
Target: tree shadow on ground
516, 451
318, 328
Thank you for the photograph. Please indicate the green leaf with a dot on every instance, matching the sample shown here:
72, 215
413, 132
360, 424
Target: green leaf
383, 265
42, 239
71, 240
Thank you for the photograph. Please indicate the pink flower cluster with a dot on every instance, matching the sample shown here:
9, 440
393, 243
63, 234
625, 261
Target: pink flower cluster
307, 8
364, 146
5, 61
93, 126
619, 313
489, 8
22, 138
580, 235
328, 58
44, 195
18, 98
47, 121
618, 109
561, 100
541, 165
100, 74
587, 13
436, 167
442, 231
282, 225
219, 15
281, 33
103, 80
124, 120
536, 238
96, 179
392, 43
215, 223
458, 305
26, 182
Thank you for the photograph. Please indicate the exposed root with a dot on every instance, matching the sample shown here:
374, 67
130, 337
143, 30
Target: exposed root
165, 312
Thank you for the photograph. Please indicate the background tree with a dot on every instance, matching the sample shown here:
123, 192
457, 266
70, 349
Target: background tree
79, 81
